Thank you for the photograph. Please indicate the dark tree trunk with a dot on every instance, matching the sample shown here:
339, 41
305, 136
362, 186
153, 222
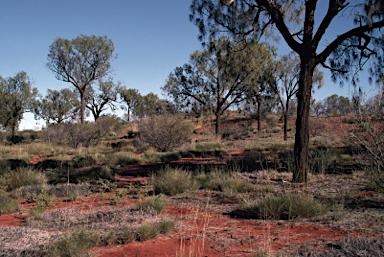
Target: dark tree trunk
218, 123
258, 114
129, 109
285, 126
82, 96
286, 120
13, 132
300, 173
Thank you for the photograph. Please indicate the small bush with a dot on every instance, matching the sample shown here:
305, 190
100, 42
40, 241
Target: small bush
147, 231
285, 207
121, 158
224, 182
171, 157
165, 133
208, 146
78, 243
271, 120
171, 181
7, 205
350, 247
36, 211
24, 177
130, 236
156, 202
316, 126
165, 226
42, 198
277, 146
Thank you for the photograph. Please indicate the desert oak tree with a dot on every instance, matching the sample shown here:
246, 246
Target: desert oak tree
16, 97
219, 77
243, 18
81, 61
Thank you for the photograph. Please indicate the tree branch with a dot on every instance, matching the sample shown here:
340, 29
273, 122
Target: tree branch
358, 32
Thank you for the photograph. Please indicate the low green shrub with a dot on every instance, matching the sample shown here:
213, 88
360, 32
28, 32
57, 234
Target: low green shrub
285, 207
224, 182
36, 211
156, 202
77, 243
41, 199
147, 231
121, 158
207, 146
8, 205
172, 181
171, 157
24, 177
165, 226
271, 120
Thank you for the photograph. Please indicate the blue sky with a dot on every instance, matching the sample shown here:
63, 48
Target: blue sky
151, 38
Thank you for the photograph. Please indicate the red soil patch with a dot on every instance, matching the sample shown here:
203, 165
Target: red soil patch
163, 247
11, 220
367, 193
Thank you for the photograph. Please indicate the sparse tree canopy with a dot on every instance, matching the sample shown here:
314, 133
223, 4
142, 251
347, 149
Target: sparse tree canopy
295, 22
132, 98
287, 72
57, 106
219, 77
16, 97
98, 100
81, 61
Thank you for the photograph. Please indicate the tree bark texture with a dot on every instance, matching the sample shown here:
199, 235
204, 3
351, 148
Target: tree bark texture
300, 174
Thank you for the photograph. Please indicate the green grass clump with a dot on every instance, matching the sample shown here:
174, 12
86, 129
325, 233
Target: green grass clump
277, 146
77, 243
121, 158
7, 205
147, 231
157, 202
165, 226
36, 211
173, 181
207, 146
224, 182
24, 176
285, 207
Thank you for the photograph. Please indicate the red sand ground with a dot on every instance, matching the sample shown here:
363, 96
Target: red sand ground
201, 233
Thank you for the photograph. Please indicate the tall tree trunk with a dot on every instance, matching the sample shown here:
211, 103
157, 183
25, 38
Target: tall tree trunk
218, 123
285, 126
129, 109
286, 120
13, 132
258, 114
300, 173
82, 96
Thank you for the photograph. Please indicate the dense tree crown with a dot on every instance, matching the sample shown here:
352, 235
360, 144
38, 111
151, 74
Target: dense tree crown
295, 22
16, 97
219, 77
81, 61
57, 106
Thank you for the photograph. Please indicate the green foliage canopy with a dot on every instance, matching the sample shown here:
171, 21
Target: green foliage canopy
16, 96
81, 61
